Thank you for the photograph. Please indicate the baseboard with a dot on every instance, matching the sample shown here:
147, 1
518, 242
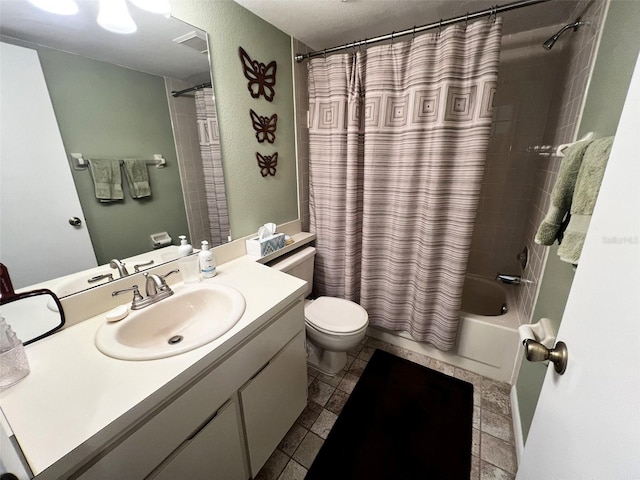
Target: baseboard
517, 424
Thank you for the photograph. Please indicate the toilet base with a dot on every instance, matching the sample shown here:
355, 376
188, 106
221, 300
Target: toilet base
329, 363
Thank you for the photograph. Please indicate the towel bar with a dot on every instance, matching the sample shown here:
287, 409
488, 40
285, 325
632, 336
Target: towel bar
78, 162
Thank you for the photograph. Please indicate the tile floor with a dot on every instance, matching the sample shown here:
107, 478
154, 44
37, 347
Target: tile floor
493, 451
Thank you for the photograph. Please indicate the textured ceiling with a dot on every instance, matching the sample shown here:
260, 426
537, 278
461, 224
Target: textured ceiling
327, 23
318, 23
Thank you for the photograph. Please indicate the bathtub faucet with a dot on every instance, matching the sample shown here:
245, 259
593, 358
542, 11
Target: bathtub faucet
509, 279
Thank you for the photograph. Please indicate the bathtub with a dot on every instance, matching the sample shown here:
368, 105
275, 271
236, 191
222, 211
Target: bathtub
488, 339
488, 331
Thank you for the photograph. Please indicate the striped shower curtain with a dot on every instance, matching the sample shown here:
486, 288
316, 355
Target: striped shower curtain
398, 137
212, 166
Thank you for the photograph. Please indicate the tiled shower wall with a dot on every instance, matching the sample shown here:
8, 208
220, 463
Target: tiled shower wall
185, 133
538, 102
301, 89
526, 79
579, 50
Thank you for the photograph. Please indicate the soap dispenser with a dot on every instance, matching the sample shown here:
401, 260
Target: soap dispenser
207, 261
185, 248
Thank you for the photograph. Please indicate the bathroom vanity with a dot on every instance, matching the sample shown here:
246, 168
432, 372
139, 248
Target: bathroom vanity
217, 411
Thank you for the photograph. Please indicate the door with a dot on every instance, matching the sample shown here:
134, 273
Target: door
38, 196
215, 452
587, 422
273, 399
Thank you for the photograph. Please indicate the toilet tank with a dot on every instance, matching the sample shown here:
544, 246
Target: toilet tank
299, 264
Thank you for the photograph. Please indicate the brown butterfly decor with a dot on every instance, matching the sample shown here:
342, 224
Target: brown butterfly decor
267, 164
265, 127
262, 78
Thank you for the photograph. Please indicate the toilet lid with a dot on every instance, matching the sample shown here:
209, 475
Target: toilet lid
336, 315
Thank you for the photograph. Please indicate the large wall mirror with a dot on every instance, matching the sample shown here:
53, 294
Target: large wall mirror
110, 98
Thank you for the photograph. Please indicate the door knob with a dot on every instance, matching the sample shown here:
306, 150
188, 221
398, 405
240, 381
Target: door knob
536, 352
75, 221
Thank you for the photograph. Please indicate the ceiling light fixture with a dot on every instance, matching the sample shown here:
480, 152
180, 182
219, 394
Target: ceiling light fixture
59, 7
114, 16
154, 6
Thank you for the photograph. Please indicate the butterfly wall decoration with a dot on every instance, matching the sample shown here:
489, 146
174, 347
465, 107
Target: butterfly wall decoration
265, 127
267, 164
262, 78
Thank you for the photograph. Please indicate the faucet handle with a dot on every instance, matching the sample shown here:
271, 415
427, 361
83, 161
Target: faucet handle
139, 265
136, 295
177, 270
97, 278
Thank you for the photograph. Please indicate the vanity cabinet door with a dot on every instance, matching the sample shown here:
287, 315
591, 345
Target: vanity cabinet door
273, 399
214, 452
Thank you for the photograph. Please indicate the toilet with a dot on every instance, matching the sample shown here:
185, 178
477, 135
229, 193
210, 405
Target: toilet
333, 325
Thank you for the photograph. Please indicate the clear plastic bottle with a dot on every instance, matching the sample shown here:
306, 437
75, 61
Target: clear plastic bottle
14, 365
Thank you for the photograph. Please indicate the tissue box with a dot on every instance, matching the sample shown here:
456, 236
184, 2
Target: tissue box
260, 248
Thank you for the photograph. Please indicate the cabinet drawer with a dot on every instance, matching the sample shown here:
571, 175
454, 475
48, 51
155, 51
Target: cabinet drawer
272, 401
215, 452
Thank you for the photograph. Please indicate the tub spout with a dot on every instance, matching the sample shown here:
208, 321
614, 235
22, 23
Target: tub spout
509, 279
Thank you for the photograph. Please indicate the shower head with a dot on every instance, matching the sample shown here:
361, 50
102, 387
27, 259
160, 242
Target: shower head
551, 42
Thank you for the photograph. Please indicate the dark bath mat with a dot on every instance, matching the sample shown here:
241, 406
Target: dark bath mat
403, 421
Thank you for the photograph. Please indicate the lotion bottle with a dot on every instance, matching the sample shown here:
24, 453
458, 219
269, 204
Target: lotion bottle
185, 248
207, 261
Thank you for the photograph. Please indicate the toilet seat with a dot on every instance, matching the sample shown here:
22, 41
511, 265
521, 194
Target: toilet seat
336, 315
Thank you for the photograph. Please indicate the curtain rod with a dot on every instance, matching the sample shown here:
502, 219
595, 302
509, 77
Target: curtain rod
412, 31
195, 87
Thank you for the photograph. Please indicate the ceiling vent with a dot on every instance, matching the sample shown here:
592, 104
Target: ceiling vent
195, 40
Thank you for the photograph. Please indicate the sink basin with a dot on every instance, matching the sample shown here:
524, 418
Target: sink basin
194, 315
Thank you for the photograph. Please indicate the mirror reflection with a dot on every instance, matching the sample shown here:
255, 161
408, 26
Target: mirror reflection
70, 87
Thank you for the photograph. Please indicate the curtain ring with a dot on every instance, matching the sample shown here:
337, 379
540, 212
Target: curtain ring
324, 53
414, 33
440, 27
392, 34
466, 21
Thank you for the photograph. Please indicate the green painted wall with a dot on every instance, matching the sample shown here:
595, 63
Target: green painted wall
105, 111
252, 199
554, 290
613, 69
614, 65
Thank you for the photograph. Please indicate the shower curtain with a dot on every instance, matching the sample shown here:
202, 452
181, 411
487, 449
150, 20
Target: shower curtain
212, 166
397, 139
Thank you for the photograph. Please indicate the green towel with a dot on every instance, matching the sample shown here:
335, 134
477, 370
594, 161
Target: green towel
584, 199
107, 179
135, 169
561, 196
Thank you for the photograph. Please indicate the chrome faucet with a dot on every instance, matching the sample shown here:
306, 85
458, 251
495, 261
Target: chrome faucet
509, 279
122, 269
156, 289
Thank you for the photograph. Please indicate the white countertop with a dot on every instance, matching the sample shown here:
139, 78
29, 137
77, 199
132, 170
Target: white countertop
74, 391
